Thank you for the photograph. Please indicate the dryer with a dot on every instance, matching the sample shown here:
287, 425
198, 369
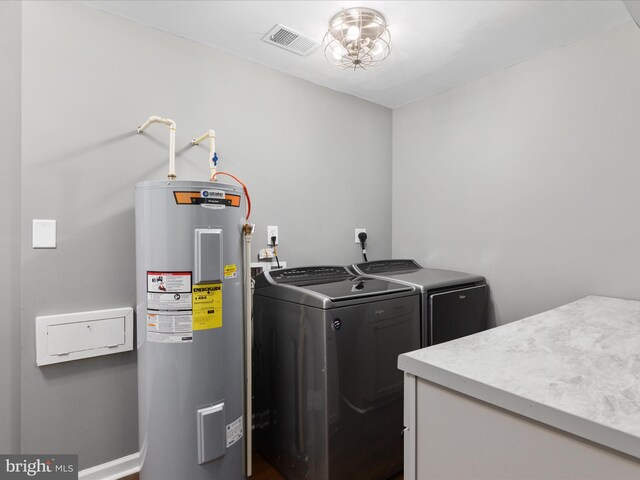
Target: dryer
328, 395
452, 304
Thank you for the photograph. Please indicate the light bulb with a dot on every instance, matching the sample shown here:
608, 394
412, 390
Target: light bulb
377, 48
353, 33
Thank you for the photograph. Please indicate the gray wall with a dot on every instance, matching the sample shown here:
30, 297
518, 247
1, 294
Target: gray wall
89, 80
634, 9
529, 176
10, 40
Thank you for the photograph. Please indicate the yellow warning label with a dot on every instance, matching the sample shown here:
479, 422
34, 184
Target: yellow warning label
230, 271
207, 306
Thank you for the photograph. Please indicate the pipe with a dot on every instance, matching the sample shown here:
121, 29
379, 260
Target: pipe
172, 140
247, 230
213, 158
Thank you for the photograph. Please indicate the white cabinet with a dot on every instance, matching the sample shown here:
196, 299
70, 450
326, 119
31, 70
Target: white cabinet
450, 435
552, 396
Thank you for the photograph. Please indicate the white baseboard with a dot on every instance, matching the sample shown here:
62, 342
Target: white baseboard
113, 470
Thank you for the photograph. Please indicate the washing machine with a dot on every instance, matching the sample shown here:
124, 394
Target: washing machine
327, 393
452, 304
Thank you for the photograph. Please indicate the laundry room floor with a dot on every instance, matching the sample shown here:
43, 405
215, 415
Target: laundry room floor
262, 470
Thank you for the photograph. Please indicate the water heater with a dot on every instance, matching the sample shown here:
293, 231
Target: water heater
190, 330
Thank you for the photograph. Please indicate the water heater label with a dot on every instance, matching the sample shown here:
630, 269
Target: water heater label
169, 328
230, 271
207, 306
169, 282
169, 302
208, 198
234, 432
169, 307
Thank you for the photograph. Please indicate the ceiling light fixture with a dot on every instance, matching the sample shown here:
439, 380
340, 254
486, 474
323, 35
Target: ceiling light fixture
357, 37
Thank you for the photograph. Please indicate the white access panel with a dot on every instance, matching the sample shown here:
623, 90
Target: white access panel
73, 336
211, 433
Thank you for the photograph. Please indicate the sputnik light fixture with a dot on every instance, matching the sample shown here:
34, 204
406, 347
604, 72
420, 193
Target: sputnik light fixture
357, 38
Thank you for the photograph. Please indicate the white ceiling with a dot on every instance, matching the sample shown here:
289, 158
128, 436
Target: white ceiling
435, 44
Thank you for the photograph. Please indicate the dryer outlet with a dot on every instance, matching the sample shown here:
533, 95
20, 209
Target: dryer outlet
272, 231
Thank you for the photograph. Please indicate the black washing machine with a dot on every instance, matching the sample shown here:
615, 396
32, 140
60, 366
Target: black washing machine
328, 395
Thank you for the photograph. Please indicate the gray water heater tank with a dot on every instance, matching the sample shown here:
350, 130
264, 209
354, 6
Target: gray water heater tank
190, 330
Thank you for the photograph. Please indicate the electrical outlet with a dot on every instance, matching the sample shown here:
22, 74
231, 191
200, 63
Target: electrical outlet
272, 231
360, 230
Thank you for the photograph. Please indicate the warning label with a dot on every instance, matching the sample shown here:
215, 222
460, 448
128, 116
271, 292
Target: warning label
169, 301
169, 328
234, 432
230, 271
169, 282
207, 306
169, 304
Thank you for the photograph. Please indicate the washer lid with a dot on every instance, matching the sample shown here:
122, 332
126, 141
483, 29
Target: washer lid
324, 287
355, 287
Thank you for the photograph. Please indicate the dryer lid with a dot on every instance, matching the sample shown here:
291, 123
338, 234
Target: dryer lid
410, 272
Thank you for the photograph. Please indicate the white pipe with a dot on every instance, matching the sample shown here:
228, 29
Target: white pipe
172, 140
211, 135
248, 335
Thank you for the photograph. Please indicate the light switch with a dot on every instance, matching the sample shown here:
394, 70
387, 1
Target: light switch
44, 233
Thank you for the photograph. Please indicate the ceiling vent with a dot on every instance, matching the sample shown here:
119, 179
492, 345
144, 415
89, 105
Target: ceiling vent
289, 39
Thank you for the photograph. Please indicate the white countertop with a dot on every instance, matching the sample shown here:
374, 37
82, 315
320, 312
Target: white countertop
576, 367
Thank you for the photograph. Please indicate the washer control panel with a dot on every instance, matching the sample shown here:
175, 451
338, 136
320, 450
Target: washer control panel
310, 274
